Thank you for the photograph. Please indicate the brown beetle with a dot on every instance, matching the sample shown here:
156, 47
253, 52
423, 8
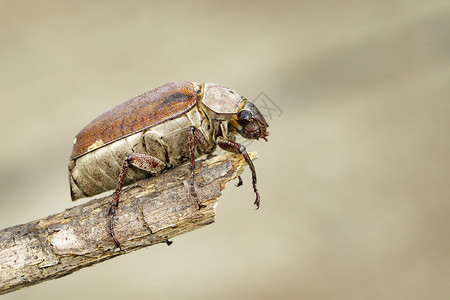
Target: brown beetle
159, 130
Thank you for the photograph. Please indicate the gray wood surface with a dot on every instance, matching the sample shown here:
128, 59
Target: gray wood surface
150, 212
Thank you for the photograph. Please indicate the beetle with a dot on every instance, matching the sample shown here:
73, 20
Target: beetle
158, 130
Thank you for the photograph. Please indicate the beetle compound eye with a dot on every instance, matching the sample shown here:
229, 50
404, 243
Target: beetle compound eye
244, 117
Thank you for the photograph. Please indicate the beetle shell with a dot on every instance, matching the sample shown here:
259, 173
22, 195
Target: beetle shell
137, 114
155, 123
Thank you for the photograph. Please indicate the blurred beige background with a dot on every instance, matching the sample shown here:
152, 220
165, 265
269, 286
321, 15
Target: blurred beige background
354, 178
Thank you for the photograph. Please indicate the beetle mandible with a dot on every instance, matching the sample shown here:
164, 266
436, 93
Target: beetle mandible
159, 130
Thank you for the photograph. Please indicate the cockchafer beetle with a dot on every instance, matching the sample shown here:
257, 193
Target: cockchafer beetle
158, 130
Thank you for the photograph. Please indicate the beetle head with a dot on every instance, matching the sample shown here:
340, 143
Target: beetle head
250, 123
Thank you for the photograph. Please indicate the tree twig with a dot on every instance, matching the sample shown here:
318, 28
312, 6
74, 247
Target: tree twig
150, 212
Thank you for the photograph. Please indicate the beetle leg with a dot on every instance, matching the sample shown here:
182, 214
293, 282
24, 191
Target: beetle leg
142, 161
115, 201
195, 135
239, 182
234, 147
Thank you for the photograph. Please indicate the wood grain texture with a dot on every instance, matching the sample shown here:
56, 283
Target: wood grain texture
150, 212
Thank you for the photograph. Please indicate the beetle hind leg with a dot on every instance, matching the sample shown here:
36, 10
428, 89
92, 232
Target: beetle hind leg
195, 135
142, 161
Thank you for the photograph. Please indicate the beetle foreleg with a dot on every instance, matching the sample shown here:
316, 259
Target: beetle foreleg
142, 161
195, 135
234, 147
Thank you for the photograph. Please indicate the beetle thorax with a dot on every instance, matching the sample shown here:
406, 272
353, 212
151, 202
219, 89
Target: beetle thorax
220, 104
221, 100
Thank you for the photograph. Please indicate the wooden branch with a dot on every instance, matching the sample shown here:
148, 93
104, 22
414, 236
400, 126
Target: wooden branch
150, 212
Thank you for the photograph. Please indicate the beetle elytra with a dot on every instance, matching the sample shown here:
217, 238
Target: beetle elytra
159, 130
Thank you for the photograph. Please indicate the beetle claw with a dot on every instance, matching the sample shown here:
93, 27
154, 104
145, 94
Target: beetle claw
200, 205
239, 182
257, 200
111, 227
112, 210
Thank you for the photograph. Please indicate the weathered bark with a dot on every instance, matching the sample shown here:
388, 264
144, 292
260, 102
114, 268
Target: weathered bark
150, 212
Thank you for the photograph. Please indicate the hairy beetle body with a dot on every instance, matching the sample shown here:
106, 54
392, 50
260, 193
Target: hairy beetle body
158, 130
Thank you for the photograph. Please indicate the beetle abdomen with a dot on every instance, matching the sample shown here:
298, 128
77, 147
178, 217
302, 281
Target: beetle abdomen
98, 171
